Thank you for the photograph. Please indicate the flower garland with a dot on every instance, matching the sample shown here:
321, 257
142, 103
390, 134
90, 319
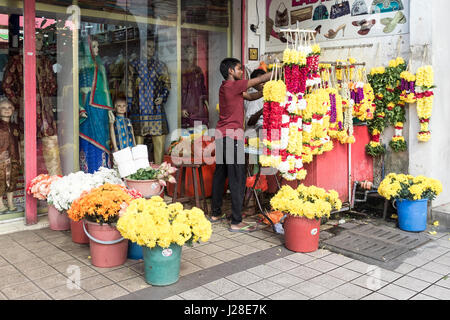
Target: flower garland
425, 98
408, 87
398, 142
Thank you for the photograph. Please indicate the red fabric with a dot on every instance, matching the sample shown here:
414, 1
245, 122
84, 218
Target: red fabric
231, 105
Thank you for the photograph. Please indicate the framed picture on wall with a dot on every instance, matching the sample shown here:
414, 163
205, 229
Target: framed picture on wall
253, 54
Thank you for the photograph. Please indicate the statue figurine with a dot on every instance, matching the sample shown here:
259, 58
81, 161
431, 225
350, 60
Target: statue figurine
121, 130
9, 155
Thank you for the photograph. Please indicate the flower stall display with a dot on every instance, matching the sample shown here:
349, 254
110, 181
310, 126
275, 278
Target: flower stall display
425, 96
40, 188
152, 180
162, 229
304, 206
411, 194
100, 208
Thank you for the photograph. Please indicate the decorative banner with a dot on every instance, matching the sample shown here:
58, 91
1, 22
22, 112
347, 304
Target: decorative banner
336, 19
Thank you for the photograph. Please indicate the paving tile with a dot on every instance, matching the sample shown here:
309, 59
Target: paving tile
288, 294
3, 297
221, 286
18, 256
244, 249
344, 274
285, 279
49, 252
121, 274
321, 265
282, 264
42, 272
186, 268
327, 281
425, 275
384, 274
243, 294
304, 273
3, 262
192, 254
175, 297
50, 282
57, 258
62, 292
331, 295
83, 296
226, 255
206, 262
437, 268
438, 292
357, 266
62, 266
265, 287
337, 259
396, 292
20, 290
139, 267
245, 238
278, 240
444, 282
404, 268
244, 278
35, 296
377, 296
412, 283
7, 270
421, 296
369, 282
210, 249
134, 284
264, 271
320, 253
300, 258
12, 279
309, 289
414, 260
30, 264
262, 244
95, 282
444, 260
109, 292
352, 291
199, 293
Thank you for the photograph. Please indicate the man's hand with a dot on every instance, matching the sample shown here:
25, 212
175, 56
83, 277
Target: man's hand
158, 101
185, 114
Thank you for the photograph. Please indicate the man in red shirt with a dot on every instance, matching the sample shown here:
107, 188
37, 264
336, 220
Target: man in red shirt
230, 156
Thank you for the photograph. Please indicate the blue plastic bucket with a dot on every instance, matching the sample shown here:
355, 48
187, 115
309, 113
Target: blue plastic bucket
162, 266
134, 251
412, 214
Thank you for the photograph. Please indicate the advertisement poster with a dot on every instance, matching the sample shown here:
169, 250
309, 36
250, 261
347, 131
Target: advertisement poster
335, 20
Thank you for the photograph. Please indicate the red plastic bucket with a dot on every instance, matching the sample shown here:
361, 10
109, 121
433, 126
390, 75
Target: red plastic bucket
108, 247
301, 234
78, 235
58, 221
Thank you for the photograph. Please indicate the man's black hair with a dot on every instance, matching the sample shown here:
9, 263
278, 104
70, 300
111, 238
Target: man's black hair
226, 64
256, 73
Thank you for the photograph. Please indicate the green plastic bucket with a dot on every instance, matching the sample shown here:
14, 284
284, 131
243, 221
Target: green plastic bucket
162, 266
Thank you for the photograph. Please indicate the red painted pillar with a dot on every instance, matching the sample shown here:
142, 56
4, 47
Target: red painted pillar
29, 57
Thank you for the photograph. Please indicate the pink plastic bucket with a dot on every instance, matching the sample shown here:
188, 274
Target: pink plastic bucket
58, 220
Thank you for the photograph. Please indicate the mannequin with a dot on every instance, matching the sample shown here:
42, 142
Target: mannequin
95, 109
9, 155
149, 88
46, 88
121, 130
194, 103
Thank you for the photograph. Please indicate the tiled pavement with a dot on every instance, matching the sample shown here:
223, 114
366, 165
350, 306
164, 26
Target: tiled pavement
38, 264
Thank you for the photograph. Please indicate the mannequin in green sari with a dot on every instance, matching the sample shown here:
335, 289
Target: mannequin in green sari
95, 106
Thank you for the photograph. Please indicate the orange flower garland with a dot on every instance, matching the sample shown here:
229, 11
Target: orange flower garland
100, 205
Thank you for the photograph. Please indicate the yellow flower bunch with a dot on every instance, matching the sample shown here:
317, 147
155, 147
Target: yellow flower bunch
254, 142
402, 186
291, 56
315, 49
425, 77
396, 62
425, 107
295, 143
151, 222
310, 202
274, 91
378, 70
408, 76
270, 161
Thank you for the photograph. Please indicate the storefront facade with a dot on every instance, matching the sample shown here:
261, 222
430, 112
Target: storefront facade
65, 63
365, 30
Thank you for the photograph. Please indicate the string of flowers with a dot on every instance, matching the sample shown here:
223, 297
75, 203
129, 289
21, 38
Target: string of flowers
425, 98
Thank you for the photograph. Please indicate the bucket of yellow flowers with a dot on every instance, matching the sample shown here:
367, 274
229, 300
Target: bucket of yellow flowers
162, 230
304, 206
410, 196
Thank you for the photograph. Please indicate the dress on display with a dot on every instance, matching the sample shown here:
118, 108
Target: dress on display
148, 81
9, 156
94, 108
123, 132
46, 88
193, 98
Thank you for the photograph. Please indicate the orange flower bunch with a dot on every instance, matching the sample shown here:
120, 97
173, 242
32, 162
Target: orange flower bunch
100, 205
